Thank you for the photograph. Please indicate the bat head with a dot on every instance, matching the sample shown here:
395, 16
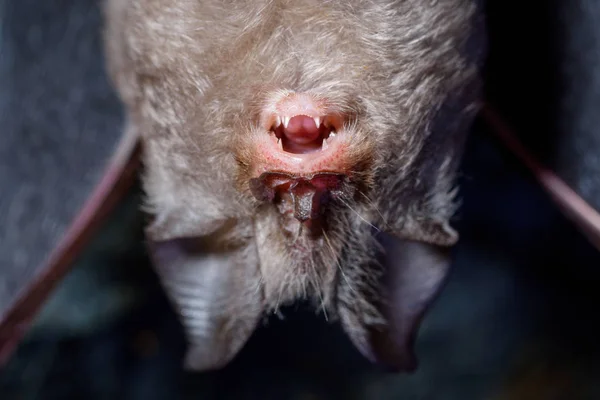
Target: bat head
311, 147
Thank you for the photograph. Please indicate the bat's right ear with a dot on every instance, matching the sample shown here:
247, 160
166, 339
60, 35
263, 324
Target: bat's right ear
216, 291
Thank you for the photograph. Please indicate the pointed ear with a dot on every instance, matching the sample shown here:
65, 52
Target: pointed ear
216, 292
413, 274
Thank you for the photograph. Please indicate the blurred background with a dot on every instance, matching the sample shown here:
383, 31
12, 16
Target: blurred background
517, 320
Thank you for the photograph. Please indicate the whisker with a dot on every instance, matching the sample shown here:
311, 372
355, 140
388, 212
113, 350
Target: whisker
338, 264
298, 234
304, 295
318, 289
360, 216
258, 286
276, 311
374, 207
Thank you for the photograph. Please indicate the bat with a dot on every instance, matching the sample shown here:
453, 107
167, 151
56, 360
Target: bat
299, 150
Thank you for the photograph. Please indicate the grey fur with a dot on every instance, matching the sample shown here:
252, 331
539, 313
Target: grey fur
192, 75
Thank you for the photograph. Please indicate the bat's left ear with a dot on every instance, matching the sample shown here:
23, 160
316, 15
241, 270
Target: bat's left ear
414, 273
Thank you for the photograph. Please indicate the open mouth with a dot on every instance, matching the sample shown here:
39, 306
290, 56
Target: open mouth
303, 134
300, 135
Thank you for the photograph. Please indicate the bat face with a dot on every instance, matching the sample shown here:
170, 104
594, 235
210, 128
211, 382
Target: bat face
298, 150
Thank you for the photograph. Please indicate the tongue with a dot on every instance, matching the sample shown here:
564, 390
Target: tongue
302, 130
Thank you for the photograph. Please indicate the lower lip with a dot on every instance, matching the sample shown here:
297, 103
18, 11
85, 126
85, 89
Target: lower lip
273, 159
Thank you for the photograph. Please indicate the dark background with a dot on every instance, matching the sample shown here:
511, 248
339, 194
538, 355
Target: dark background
517, 320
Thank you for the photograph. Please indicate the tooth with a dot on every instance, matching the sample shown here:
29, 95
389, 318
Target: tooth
277, 121
331, 135
325, 145
317, 121
286, 121
280, 144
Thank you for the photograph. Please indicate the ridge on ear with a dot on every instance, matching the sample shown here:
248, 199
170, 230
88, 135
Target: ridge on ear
430, 231
179, 224
412, 276
214, 288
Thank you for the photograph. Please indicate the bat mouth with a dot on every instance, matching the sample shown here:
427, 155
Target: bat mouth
301, 135
304, 134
